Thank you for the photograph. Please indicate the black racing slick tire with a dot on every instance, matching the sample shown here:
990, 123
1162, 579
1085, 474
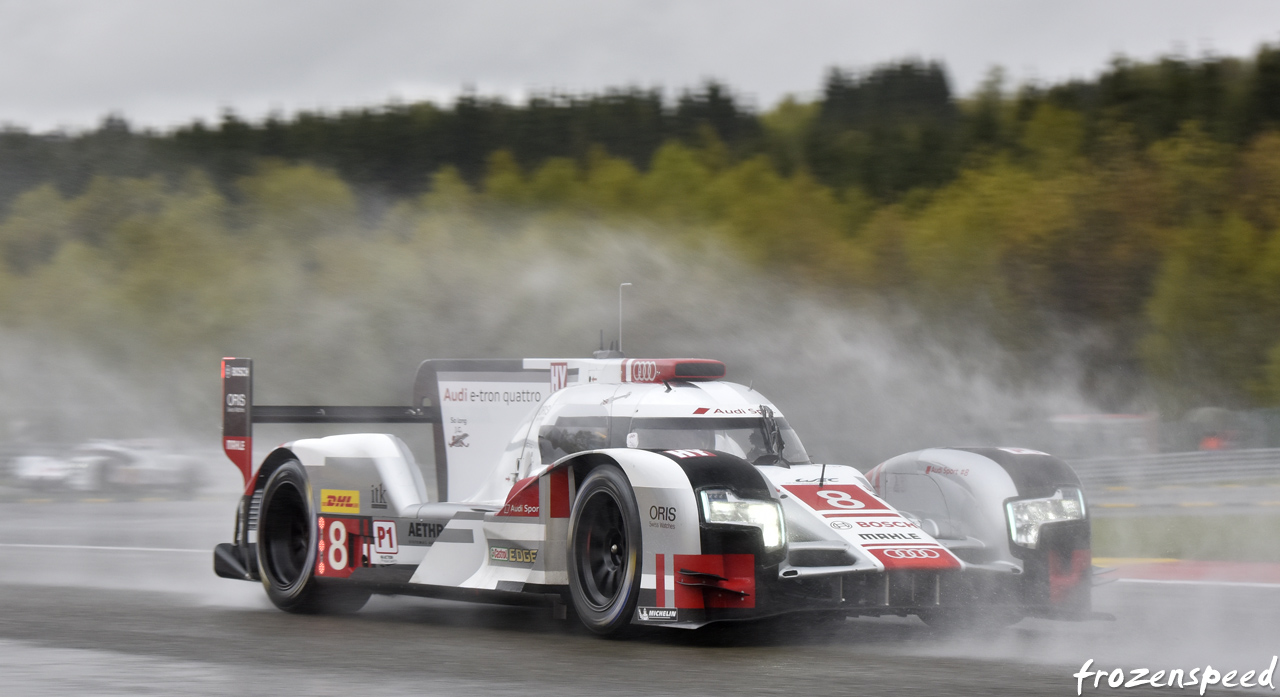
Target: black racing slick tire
604, 551
287, 549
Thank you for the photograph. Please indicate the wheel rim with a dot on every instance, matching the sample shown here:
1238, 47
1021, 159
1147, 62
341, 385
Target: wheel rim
603, 550
284, 533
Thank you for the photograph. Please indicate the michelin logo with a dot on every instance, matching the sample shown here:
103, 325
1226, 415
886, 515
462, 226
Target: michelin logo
657, 614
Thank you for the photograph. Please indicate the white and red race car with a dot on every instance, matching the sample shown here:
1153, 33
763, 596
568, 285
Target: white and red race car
646, 492
130, 467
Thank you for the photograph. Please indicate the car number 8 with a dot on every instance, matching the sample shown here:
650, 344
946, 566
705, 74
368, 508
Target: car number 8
337, 546
840, 499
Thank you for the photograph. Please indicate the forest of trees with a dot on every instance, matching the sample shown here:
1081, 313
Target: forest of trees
1134, 216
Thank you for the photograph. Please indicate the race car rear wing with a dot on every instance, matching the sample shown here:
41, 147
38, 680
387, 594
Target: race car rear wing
481, 400
240, 414
474, 405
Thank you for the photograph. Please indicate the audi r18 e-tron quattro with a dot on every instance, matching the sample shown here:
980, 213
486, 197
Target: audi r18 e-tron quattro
640, 492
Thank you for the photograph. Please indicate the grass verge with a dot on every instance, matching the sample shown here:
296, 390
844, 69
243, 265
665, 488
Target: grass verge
1205, 538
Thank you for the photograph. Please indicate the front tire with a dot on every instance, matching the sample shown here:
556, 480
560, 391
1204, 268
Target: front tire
287, 549
605, 551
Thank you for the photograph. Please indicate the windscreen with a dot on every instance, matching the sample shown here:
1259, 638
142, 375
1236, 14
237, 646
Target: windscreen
572, 434
744, 437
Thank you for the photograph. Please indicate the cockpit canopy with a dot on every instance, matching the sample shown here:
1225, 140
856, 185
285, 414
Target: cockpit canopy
745, 437
710, 416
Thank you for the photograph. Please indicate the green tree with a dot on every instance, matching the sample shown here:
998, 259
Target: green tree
36, 227
1212, 323
298, 203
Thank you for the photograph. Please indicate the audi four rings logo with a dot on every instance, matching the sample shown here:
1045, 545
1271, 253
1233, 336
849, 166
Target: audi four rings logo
912, 553
644, 371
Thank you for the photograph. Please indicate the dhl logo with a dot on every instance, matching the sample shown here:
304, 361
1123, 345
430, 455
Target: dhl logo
339, 501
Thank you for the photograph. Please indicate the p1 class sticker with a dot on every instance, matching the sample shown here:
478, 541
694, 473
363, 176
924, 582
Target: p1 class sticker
384, 537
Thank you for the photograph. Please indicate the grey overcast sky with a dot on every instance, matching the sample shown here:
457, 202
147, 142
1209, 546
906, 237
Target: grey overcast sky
67, 63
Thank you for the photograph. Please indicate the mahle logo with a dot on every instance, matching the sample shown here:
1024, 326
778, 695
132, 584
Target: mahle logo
339, 501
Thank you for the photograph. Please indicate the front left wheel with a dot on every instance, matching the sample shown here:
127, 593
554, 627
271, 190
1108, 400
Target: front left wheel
604, 551
287, 549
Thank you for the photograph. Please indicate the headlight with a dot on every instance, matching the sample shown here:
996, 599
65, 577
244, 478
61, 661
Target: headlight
1026, 516
723, 506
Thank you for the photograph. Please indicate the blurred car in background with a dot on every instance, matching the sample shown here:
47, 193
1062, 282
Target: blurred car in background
111, 466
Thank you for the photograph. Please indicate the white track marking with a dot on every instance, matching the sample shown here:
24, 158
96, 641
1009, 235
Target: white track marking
168, 550
1241, 584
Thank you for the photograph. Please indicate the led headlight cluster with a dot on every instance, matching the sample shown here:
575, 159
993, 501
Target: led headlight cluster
723, 506
1027, 515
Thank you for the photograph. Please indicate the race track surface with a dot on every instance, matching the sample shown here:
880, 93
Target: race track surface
120, 599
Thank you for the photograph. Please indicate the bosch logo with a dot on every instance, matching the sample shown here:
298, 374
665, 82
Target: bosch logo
912, 553
644, 371
840, 525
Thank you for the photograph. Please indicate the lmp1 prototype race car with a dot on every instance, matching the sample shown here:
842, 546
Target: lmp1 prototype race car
142, 466
641, 492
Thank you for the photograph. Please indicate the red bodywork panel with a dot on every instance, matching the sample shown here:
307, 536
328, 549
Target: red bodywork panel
697, 592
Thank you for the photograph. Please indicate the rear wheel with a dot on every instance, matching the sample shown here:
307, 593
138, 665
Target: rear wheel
287, 549
604, 551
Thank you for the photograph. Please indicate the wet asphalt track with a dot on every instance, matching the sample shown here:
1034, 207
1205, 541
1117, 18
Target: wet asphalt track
120, 621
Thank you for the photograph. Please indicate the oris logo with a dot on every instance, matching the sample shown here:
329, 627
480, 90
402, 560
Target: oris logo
644, 371
912, 553
667, 513
235, 400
